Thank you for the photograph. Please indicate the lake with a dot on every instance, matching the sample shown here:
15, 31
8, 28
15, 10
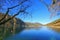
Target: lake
41, 33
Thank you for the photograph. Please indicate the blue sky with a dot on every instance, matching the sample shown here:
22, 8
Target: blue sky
39, 12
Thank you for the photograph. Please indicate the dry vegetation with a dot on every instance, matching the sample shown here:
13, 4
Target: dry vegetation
55, 25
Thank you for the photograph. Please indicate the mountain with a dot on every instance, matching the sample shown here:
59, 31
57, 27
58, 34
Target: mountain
11, 27
34, 25
55, 24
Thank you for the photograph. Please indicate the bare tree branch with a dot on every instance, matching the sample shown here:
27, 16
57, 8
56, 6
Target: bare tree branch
18, 4
12, 8
52, 8
5, 15
20, 11
44, 3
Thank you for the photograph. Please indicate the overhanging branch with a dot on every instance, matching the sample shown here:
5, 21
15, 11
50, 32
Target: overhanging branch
11, 8
20, 11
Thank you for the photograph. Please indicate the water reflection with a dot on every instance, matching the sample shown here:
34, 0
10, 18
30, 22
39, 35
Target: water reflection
42, 33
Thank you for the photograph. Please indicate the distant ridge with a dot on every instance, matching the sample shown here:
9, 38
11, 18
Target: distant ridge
29, 24
55, 25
